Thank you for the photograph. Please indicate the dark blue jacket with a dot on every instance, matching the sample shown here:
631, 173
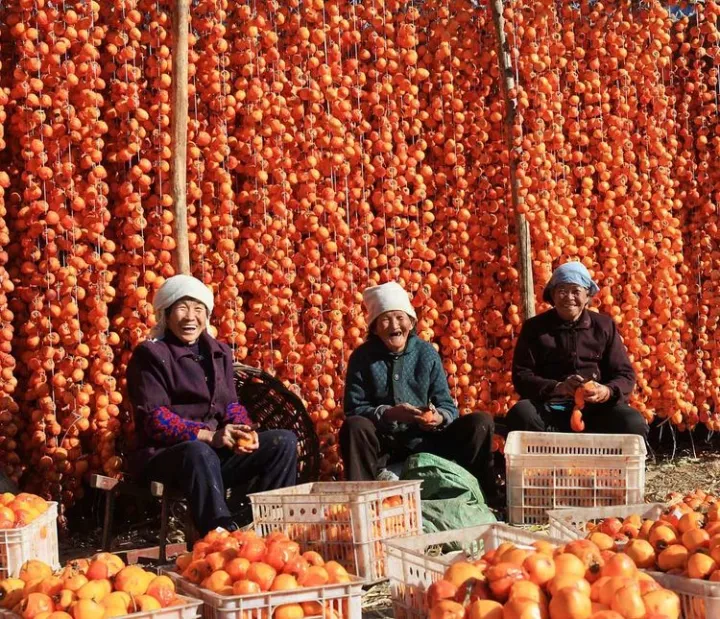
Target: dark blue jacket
378, 379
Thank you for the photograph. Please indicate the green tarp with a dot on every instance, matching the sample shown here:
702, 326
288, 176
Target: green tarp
451, 496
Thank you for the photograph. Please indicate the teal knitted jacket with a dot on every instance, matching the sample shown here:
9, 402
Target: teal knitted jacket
378, 379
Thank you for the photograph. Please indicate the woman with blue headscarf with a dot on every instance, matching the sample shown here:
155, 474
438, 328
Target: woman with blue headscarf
559, 350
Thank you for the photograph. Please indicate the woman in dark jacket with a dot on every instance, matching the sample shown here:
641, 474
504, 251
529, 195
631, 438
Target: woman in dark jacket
397, 400
193, 434
561, 349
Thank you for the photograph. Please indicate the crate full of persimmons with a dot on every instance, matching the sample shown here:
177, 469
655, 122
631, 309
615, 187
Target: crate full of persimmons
499, 572
98, 588
241, 575
344, 521
553, 470
677, 543
28, 530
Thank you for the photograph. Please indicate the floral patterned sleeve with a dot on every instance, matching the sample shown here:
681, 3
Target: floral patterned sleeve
168, 428
236, 413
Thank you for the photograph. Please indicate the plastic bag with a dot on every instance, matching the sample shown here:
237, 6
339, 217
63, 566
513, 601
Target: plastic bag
451, 496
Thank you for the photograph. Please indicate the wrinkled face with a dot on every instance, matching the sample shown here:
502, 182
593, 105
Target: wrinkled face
393, 329
187, 319
570, 300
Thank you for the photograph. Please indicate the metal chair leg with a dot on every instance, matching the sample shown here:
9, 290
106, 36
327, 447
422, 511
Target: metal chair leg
108, 520
164, 523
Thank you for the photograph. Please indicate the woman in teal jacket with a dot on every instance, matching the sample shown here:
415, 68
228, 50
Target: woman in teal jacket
397, 401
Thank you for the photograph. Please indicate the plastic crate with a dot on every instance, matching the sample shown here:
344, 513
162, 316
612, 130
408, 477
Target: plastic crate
699, 599
414, 563
38, 540
343, 521
189, 609
344, 600
571, 524
549, 470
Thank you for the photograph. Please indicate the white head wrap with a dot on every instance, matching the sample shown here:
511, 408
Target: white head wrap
387, 298
174, 289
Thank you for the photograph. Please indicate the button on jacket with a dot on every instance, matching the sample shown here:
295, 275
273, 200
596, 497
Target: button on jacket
550, 349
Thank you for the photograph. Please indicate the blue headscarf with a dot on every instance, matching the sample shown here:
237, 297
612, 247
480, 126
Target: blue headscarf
570, 273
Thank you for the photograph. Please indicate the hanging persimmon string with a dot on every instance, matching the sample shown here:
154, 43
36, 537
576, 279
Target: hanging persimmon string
333, 144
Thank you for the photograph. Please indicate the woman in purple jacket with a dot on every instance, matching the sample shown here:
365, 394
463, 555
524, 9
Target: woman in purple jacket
193, 434
561, 349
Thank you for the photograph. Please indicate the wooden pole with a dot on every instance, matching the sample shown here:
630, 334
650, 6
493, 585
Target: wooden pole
527, 288
178, 131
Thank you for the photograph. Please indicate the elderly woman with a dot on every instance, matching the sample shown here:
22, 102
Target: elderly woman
193, 434
397, 400
561, 349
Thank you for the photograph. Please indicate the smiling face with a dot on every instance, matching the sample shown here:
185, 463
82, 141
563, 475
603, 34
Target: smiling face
187, 319
393, 329
570, 300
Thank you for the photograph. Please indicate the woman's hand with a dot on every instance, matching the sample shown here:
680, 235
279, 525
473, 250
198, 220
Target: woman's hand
246, 439
600, 394
239, 438
568, 386
403, 413
430, 418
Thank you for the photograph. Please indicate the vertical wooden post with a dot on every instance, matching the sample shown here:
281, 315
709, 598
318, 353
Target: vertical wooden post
178, 132
527, 288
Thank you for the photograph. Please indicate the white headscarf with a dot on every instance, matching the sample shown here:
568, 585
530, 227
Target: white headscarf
387, 298
174, 289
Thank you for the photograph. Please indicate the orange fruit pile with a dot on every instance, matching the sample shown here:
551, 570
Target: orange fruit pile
574, 581
241, 563
684, 540
17, 511
96, 588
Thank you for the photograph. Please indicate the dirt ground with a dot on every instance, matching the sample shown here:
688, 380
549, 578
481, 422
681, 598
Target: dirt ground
680, 468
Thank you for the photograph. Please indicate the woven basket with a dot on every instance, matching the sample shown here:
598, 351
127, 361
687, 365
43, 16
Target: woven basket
273, 406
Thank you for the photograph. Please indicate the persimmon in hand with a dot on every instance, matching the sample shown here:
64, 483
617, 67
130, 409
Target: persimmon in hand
247, 441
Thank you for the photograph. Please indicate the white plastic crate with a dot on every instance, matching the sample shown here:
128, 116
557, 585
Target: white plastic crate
571, 524
414, 563
549, 470
340, 601
189, 609
343, 521
38, 540
700, 599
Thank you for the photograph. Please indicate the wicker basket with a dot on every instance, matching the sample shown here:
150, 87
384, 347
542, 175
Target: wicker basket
274, 407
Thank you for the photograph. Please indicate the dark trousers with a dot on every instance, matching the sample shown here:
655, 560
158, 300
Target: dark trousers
203, 473
467, 441
617, 418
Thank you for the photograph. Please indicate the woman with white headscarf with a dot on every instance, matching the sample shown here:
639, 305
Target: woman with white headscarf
398, 403
193, 434
565, 347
